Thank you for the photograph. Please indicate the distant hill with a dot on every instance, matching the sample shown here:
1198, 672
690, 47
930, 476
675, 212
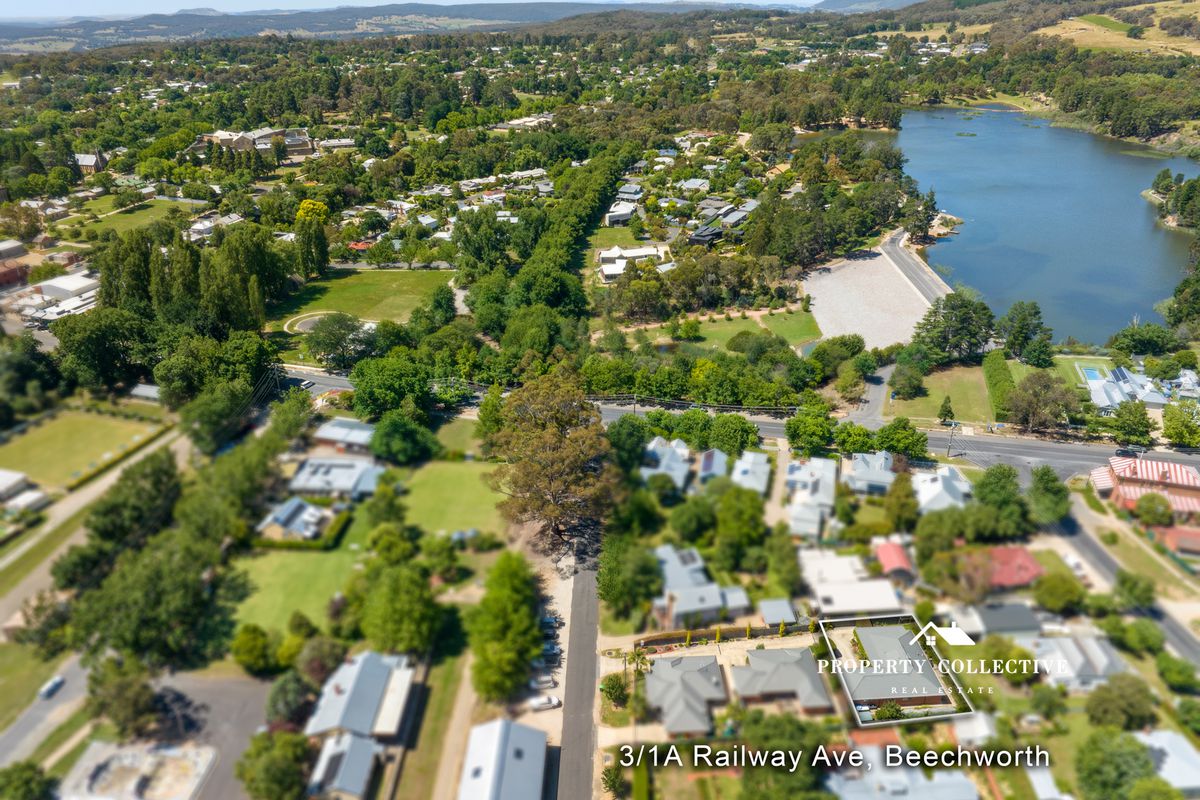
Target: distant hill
858, 6
205, 23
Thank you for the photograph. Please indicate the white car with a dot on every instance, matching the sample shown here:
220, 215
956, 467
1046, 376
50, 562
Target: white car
543, 702
542, 682
306, 384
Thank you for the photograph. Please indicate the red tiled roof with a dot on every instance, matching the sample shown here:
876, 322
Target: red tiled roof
891, 557
1013, 566
1180, 539
1150, 470
1128, 494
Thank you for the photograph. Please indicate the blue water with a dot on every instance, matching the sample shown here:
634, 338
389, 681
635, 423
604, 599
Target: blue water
1090, 373
1050, 214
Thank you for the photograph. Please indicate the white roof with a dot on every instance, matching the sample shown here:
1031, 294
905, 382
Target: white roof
11, 480
505, 761
68, 285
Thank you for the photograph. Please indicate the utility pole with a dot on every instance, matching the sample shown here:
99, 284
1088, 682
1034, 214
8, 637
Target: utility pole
950, 441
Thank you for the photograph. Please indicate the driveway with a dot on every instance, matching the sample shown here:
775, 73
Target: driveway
222, 711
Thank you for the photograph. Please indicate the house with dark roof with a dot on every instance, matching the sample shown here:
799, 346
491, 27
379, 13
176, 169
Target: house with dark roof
505, 760
1004, 619
683, 690
788, 673
293, 519
705, 236
906, 675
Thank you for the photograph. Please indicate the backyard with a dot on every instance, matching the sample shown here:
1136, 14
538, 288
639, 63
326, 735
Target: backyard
967, 392
126, 219
458, 435
452, 495
62, 449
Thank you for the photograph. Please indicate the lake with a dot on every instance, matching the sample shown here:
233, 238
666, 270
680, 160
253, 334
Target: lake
1049, 214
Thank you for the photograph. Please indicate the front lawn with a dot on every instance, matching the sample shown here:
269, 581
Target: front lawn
62, 449
458, 435
452, 495
797, 327
366, 294
967, 391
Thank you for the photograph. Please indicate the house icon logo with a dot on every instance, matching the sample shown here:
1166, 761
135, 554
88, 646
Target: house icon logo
953, 635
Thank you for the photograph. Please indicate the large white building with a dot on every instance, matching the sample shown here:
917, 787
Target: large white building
505, 761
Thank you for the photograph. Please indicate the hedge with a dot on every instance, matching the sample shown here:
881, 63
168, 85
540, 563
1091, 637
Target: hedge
328, 540
999, 381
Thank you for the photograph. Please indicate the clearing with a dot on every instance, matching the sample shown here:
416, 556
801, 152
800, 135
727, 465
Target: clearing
1098, 32
967, 391
129, 218
375, 294
62, 449
452, 495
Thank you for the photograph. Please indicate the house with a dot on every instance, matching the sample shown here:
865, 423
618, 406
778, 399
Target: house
841, 586
1013, 567
344, 767
776, 612
341, 143
12, 483
293, 519
869, 473
690, 596
882, 781
347, 435
813, 486
505, 760
782, 674
1044, 787
1175, 759
614, 260
366, 696
630, 192
146, 392
672, 459
11, 248
894, 562
1079, 663
975, 730
619, 213
692, 184
348, 477
705, 236
905, 675
752, 471
945, 488
1004, 619
91, 163
1124, 480
713, 464
683, 690
1122, 384
1181, 541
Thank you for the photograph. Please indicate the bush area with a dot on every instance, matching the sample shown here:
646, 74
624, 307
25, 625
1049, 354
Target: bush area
999, 382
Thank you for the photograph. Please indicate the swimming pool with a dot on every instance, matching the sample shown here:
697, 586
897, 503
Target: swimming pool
1091, 374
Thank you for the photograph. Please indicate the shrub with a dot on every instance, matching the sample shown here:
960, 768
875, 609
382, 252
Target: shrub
999, 381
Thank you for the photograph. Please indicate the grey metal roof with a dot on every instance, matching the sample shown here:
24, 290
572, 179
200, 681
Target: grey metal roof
776, 611
335, 476
344, 765
682, 689
1008, 618
907, 670
1175, 759
681, 569
346, 431
504, 761
713, 464
780, 671
351, 698
883, 781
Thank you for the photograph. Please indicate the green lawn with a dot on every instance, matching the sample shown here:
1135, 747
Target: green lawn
367, 294
603, 238
59, 736
283, 581
74, 442
797, 327
130, 218
1106, 22
421, 761
452, 495
716, 334
966, 389
22, 673
1069, 366
458, 435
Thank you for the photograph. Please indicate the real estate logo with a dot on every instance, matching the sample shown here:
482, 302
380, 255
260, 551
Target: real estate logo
952, 635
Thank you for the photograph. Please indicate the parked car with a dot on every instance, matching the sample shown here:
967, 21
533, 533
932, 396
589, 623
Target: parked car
51, 687
543, 702
551, 620
542, 682
551, 649
538, 663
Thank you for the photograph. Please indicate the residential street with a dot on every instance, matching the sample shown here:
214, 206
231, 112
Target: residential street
20, 739
579, 726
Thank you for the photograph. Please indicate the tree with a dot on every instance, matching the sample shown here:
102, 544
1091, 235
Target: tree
400, 612
628, 575
1153, 787
900, 504
732, 433
615, 688
1048, 497
1178, 674
889, 711
628, 436
739, 526
612, 780
558, 469
318, 659
1153, 509
957, 326
25, 780
1181, 423
288, 699
782, 565
400, 440
503, 629
899, 437
694, 517
1059, 592
1124, 702
811, 430
1130, 424
101, 349
1134, 591
216, 414
850, 437
1109, 763
777, 732
1020, 326
383, 384
1041, 400
275, 766
253, 649
337, 340
946, 412
120, 691
1048, 701
490, 418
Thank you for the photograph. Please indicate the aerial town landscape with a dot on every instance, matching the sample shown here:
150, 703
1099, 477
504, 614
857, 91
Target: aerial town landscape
685, 401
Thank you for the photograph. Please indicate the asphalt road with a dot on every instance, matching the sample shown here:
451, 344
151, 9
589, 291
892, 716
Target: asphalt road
918, 273
20, 739
579, 695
